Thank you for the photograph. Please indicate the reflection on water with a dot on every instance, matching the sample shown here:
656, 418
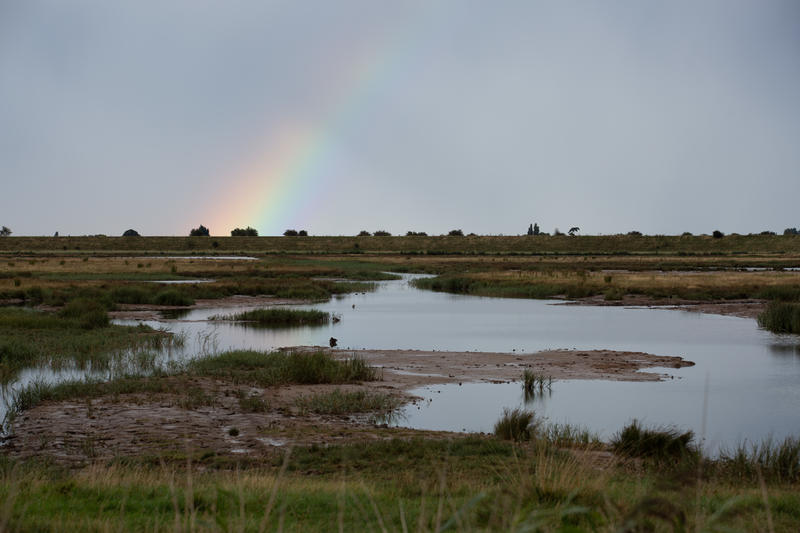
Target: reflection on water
751, 377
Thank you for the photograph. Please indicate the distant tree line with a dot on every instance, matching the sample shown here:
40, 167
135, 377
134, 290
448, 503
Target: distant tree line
295, 233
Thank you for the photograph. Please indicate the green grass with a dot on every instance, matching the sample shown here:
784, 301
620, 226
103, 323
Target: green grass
516, 424
421, 484
781, 317
339, 402
279, 317
274, 368
659, 444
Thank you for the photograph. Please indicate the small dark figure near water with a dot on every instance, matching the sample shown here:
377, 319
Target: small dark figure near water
332, 342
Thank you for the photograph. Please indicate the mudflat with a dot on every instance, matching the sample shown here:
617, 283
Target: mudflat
162, 424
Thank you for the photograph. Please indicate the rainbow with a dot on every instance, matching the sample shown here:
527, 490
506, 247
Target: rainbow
288, 174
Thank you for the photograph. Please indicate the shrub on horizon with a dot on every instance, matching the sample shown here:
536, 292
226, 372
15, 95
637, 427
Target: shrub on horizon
246, 232
290, 233
717, 234
130, 233
202, 231
456, 233
382, 233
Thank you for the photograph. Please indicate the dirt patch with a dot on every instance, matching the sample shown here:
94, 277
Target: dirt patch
413, 368
741, 308
209, 417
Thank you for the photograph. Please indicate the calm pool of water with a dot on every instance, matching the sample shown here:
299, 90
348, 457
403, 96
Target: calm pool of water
745, 385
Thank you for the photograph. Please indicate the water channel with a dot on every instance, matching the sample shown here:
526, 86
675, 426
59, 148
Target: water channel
745, 385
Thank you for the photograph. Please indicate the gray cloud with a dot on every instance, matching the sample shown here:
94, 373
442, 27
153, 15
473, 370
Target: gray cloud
662, 117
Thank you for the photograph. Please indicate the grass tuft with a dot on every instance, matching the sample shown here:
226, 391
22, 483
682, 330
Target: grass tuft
516, 424
660, 444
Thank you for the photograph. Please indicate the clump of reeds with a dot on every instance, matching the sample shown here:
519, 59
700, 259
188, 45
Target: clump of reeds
534, 383
781, 317
280, 317
516, 424
653, 443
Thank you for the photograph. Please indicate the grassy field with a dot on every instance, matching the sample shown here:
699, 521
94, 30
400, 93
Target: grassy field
611, 244
470, 483
542, 478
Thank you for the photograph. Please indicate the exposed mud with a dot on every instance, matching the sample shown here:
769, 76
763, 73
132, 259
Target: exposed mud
208, 416
153, 312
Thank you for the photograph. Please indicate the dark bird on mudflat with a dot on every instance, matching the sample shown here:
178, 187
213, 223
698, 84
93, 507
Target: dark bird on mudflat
332, 342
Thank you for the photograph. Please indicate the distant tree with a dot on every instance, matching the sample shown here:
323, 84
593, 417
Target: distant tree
573, 230
530, 229
717, 234
55, 234
456, 233
290, 233
129, 233
787, 231
635, 233
364, 233
536, 229
382, 233
202, 231
767, 232
416, 234
686, 234
5, 231
302, 233
246, 232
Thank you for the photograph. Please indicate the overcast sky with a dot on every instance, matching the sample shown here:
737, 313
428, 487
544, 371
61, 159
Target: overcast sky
657, 116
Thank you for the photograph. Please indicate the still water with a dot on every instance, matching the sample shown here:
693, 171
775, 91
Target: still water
745, 385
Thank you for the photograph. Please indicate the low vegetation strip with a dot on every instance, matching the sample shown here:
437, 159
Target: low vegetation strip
279, 317
279, 368
472, 244
341, 402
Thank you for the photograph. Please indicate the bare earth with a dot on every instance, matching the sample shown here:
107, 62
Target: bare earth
167, 425
153, 312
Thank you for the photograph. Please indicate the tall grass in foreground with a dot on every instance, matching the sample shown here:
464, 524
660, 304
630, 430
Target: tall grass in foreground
781, 317
771, 460
279, 317
460, 484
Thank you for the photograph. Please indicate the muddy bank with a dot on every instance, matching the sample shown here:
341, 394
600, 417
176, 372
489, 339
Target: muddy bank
741, 308
207, 417
153, 312
414, 368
